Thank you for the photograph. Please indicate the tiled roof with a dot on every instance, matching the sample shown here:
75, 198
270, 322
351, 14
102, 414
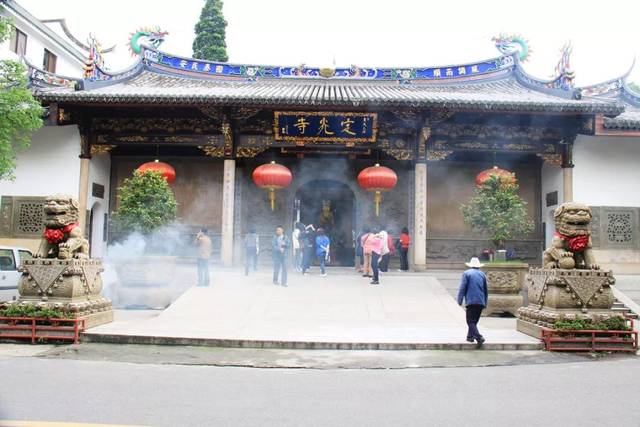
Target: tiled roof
501, 92
629, 120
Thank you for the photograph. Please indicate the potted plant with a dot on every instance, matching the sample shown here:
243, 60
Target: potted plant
498, 211
143, 261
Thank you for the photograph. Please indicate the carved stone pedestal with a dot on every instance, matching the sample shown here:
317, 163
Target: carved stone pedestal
557, 294
505, 282
71, 285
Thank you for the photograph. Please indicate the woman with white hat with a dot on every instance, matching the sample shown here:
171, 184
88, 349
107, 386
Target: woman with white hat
473, 290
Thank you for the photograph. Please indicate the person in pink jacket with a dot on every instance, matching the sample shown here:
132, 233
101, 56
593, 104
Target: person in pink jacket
376, 253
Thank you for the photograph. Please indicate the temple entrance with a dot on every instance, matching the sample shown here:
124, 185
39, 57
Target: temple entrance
331, 205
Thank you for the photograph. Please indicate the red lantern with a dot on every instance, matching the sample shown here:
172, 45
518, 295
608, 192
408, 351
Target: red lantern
506, 178
272, 177
378, 179
167, 171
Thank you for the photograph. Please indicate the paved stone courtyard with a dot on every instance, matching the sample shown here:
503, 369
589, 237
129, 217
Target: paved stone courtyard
407, 308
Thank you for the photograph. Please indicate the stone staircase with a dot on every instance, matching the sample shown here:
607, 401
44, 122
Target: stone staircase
620, 307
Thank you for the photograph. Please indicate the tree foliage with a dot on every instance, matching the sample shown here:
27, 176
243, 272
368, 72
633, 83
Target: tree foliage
20, 113
146, 203
498, 210
634, 86
210, 43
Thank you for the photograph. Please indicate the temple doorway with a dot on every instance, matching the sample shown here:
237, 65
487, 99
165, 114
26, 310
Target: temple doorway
331, 205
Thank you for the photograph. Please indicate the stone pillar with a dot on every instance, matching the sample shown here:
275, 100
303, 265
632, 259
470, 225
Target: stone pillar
228, 201
83, 191
567, 183
567, 169
420, 218
83, 185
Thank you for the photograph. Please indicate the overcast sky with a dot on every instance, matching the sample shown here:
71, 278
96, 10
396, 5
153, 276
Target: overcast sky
605, 35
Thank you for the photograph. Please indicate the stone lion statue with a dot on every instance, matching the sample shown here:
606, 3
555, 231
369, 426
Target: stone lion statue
571, 245
62, 236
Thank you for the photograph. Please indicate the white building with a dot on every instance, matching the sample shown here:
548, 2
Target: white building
51, 165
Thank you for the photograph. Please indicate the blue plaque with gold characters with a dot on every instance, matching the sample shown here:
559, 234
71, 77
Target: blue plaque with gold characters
325, 126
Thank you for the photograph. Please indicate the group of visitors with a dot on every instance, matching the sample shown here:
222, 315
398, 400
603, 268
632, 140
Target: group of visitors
305, 242
374, 249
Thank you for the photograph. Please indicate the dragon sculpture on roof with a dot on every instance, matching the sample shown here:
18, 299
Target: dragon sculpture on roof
508, 43
148, 36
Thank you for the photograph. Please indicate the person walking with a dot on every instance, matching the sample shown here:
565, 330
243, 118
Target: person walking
251, 250
376, 254
473, 290
403, 247
367, 242
295, 242
279, 246
203, 243
307, 241
323, 245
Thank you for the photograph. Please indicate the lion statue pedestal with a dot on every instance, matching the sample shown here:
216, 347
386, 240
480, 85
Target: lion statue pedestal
570, 285
61, 275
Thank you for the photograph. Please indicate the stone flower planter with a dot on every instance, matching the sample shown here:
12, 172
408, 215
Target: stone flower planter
505, 281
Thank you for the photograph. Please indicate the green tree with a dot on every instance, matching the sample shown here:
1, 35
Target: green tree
20, 113
210, 43
146, 203
634, 86
497, 210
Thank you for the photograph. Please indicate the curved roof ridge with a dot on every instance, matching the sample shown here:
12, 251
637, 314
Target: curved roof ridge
551, 86
177, 64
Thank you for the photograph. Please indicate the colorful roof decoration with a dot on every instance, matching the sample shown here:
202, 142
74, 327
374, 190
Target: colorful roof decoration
498, 83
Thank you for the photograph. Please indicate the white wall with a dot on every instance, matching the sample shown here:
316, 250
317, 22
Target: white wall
99, 173
66, 64
551, 181
49, 166
607, 171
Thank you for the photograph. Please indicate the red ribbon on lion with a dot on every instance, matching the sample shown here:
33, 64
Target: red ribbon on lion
56, 235
577, 243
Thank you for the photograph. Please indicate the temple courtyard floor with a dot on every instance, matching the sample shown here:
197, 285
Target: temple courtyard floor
407, 311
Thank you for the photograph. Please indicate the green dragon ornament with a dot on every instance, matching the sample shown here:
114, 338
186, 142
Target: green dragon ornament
148, 36
507, 43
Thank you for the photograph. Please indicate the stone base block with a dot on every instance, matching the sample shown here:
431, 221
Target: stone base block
529, 328
96, 319
502, 303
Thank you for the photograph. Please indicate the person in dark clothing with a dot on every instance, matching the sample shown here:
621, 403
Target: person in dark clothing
307, 243
251, 250
280, 246
403, 247
473, 290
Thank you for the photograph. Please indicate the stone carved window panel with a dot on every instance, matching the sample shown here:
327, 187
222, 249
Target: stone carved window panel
22, 217
614, 227
619, 227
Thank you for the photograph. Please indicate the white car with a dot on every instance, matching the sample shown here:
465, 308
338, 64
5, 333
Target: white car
10, 259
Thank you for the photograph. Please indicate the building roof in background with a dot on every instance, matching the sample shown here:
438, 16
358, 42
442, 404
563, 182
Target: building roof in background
619, 91
14, 8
